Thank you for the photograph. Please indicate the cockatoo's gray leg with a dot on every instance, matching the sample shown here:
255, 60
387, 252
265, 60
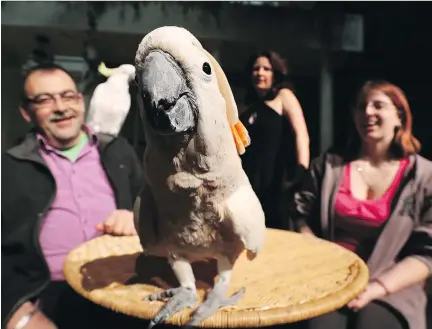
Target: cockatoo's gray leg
179, 298
216, 298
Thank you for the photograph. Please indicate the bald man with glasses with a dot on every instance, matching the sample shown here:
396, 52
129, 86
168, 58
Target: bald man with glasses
62, 185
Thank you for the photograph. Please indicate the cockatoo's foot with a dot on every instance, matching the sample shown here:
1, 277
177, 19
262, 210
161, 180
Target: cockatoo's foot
214, 300
179, 299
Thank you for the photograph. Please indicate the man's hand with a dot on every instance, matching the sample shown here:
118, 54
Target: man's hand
373, 291
120, 222
38, 320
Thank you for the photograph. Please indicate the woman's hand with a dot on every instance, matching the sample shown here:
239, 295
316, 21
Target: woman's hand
373, 291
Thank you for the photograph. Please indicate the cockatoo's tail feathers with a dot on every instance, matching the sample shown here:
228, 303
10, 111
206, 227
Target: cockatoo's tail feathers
240, 134
106, 72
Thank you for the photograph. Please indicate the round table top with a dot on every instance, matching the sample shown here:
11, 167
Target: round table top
294, 278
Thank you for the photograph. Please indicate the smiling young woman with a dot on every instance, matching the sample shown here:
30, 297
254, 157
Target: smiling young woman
374, 197
383, 113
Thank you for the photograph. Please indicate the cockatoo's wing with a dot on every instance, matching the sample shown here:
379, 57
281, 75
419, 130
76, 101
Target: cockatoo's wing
244, 211
146, 217
242, 208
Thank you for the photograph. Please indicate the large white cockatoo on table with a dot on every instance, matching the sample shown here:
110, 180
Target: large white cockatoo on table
196, 202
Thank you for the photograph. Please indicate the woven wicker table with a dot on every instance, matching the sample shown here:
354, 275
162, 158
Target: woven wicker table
294, 278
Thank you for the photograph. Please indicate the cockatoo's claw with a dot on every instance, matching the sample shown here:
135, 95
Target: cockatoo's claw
162, 295
234, 298
151, 324
215, 300
179, 299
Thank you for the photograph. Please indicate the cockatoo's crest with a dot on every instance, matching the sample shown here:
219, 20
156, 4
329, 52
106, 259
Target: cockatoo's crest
103, 70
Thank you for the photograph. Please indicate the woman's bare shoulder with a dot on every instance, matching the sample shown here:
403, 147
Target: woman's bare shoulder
286, 93
290, 103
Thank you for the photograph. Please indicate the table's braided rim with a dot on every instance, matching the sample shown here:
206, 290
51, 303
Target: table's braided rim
353, 284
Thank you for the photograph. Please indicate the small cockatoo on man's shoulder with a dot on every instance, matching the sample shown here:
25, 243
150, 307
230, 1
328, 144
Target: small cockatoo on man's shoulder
111, 100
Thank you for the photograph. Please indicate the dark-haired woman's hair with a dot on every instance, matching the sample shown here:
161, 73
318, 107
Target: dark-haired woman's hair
280, 75
404, 142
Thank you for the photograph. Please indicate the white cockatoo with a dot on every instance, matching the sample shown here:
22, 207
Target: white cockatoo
196, 202
111, 100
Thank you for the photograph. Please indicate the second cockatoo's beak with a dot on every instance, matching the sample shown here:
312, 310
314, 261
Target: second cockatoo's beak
103, 70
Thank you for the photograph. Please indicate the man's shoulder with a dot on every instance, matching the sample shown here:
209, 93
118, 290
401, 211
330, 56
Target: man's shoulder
21, 165
20, 146
22, 143
115, 143
7, 160
115, 149
119, 153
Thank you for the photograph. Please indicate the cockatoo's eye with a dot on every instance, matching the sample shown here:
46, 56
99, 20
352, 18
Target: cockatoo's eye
206, 68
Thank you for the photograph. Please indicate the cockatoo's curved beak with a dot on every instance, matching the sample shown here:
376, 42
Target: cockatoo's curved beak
166, 96
106, 72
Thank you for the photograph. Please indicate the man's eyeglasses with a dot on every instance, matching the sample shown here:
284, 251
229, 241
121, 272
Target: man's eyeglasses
48, 100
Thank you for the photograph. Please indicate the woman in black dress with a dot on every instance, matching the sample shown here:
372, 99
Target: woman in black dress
276, 125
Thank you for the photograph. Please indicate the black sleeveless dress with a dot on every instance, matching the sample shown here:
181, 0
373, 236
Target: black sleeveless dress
268, 157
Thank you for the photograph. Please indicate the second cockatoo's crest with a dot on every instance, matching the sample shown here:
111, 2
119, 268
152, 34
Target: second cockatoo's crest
125, 69
174, 40
103, 70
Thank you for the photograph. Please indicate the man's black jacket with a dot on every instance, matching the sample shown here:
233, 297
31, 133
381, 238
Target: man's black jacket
28, 189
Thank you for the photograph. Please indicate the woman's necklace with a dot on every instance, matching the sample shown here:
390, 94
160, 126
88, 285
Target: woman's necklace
381, 175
